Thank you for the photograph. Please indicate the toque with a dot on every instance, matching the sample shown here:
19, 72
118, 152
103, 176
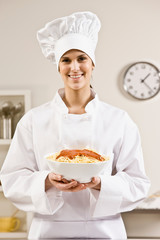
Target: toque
76, 31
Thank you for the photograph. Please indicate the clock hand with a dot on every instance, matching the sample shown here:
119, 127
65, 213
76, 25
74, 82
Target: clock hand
142, 80
148, 86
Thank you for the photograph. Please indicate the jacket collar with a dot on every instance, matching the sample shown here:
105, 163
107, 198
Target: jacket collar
61, 106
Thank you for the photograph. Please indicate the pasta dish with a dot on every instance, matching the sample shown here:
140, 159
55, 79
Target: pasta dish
77, 156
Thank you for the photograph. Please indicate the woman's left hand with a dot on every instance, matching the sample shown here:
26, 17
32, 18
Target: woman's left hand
95, 183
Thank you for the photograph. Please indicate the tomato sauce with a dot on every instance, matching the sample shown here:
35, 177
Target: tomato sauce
76, 152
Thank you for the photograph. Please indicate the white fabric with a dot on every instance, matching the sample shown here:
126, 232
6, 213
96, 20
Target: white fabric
88, 213
76, 31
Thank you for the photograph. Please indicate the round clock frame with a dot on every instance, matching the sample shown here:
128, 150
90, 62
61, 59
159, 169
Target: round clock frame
142, 80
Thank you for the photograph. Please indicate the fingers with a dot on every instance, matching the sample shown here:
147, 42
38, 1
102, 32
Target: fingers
73, 186
64, 185
95, 183
65, 180
95, 180
54, 177
78, 188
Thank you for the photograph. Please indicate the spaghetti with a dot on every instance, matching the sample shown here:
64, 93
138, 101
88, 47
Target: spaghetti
78, 156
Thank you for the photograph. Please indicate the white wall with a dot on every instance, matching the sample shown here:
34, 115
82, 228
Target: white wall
130, 32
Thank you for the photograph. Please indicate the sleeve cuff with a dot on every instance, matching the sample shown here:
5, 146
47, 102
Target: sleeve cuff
107, 202
45, 202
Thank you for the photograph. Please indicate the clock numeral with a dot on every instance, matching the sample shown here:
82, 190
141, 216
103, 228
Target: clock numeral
142, 94
128, 80
131, 73
130, 87
150, 93
143, 66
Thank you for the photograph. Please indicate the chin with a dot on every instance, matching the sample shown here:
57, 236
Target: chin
77, 87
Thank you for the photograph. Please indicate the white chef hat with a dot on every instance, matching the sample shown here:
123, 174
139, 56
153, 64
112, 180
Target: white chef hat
76, 31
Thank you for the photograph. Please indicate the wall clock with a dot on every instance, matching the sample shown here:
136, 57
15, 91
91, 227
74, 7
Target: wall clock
142, 80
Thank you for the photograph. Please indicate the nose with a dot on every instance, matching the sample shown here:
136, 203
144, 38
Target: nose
74, 65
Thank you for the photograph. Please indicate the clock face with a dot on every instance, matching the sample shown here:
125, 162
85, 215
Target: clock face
142, 80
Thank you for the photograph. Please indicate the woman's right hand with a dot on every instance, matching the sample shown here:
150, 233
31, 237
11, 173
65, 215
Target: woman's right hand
56, 180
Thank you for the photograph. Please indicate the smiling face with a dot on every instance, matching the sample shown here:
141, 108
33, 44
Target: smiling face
76, 68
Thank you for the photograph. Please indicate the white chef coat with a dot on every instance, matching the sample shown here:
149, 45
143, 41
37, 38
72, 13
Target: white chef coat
89, 213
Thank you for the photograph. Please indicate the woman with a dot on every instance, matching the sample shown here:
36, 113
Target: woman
74, 119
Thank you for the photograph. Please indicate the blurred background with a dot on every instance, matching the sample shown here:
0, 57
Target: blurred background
129, 33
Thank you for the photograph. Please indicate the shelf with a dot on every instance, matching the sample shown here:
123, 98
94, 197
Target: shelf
21, 100
5, 141
13, 105
20, 95
13, 235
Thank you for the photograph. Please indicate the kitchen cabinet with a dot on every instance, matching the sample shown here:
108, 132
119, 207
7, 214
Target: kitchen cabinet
13, 105
144, 221
142, 224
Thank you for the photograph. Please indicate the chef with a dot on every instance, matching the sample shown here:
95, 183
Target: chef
74, 119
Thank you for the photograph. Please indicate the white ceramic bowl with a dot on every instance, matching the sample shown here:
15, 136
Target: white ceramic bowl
82, 172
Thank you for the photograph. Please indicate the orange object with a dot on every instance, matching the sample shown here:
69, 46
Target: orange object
85, 152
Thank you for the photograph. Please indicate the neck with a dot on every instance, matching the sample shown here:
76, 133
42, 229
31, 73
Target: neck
76, 101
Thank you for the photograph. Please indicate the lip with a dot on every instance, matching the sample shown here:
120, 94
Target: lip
76, 76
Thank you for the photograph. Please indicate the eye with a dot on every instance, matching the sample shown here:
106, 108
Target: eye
82, 58
65, 60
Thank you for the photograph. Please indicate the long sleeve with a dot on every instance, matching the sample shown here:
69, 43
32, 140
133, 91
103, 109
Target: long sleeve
123, 190
22, 180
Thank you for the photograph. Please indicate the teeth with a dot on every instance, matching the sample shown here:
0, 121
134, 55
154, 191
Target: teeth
77, 76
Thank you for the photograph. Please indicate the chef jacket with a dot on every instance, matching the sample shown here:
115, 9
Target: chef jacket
88, 213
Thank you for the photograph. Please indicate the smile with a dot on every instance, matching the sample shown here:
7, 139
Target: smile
75, 76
